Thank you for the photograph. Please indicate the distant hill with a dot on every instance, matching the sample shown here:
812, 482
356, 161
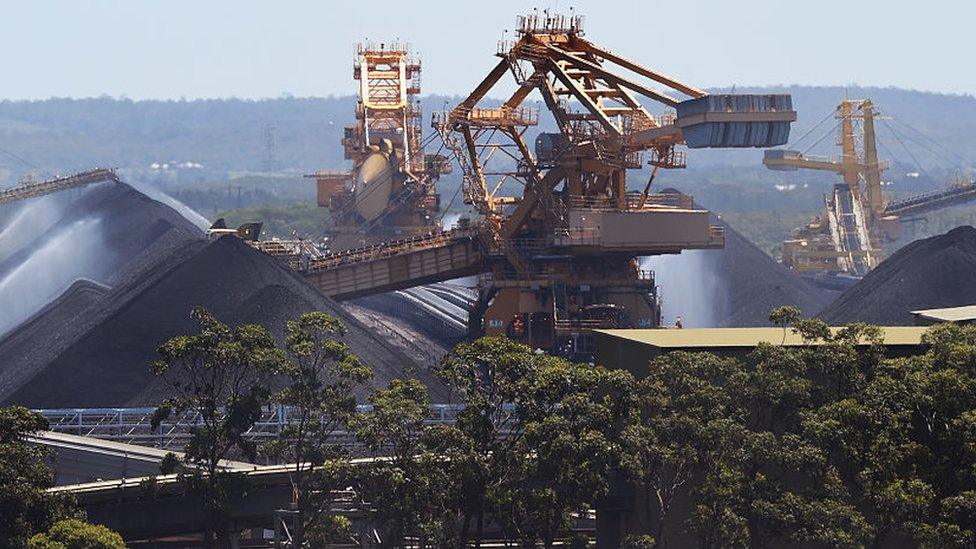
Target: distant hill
224, 136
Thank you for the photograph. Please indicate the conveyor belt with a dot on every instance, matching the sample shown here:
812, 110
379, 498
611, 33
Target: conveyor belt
398, 265
31, 190
931, 201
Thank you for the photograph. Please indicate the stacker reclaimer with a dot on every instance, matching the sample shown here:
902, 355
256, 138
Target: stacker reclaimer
557, 234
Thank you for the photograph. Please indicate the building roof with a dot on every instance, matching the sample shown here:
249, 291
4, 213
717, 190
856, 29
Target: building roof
744, 337
949, 314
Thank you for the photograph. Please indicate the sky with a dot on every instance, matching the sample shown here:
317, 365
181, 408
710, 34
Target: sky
156, 49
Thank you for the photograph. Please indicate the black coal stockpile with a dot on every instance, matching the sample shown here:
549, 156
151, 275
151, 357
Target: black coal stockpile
738, 285
931, 273
105, 233
105, 360
755, 284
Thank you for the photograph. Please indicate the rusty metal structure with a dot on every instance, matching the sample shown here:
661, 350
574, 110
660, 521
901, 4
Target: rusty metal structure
389, 193
32, 189
565, 231
858, 219
557, 235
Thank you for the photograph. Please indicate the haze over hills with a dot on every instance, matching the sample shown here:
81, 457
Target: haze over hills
213, 155
215, 137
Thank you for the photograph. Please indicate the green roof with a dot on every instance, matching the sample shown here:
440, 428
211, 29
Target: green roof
673, 338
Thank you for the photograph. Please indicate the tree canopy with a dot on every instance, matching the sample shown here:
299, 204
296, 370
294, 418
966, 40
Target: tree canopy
30, 516
830, 443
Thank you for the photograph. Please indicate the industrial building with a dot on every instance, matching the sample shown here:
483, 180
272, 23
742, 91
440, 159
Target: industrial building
633, 350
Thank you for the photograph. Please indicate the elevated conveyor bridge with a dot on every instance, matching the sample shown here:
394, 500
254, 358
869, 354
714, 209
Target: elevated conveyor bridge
398, 265
33, 190
933, 201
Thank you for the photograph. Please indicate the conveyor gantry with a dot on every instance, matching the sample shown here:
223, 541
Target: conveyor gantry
932, 201
398, 265
32, 190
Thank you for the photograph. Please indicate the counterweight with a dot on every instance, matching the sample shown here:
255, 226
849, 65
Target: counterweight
557, 235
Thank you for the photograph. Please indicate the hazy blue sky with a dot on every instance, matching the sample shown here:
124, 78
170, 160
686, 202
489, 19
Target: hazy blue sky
250, 48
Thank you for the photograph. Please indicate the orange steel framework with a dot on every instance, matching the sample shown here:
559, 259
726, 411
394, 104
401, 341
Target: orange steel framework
562, 232
557, 236
849, 235
389, 193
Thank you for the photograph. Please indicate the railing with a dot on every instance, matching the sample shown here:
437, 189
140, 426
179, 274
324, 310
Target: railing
32, 189
563, 326
577, 236
637, 121
329, 174
370, 46
134, 425
517, 278
922, 201
549, 24
831, 160
521, 116
387, 249
716, 235
672, 159
488, 279
633, 201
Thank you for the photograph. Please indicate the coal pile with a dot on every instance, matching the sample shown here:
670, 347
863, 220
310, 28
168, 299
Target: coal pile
755, 284
104, 233
737, 286
81, 295
927, 274
36, 340
105, 360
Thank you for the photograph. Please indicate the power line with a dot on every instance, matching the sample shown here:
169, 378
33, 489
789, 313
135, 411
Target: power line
962, 160
925, 144
797, 141
11, 155
451, 203
907, 150
818, 141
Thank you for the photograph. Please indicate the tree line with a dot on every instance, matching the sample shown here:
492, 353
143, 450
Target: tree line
828, 444
30, 516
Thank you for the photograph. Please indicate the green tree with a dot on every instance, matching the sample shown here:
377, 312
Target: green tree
320, 401
77, 534
219, 377
574, 416
535, 439
25, 506
681, 396
732, 435
637, 541
785, 317
407, 485
489, 376
899, 432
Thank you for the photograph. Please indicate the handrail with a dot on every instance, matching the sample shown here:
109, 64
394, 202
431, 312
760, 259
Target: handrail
32, 189
387, 249
135, 425
934, 196
633, 201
